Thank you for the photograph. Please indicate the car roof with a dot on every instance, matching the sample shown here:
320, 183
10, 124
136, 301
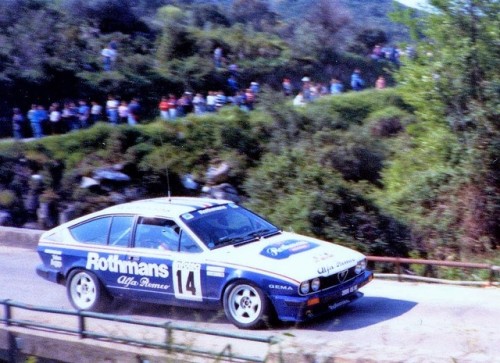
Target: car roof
167, 206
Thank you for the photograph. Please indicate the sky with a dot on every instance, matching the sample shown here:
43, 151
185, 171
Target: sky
418, 4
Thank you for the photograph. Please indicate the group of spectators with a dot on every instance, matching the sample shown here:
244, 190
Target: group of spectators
172, 107
40, 121
72, 116
310, 90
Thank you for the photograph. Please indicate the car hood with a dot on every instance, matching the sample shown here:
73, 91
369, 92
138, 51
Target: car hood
290, 255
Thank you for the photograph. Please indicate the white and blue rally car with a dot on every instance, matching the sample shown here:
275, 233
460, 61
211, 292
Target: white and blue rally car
200, 253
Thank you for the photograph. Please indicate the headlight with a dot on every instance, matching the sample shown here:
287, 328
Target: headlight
304, 287
360, 266
315, 284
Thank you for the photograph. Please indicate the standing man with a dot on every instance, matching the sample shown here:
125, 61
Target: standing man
357, 83
112, 109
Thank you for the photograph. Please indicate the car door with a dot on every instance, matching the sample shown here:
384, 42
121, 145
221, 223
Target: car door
164, 263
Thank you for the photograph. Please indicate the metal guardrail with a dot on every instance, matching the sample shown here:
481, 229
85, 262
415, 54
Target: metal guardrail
399, 262
168, 344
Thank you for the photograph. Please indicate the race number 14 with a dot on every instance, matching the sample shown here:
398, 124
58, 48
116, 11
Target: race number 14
187, 280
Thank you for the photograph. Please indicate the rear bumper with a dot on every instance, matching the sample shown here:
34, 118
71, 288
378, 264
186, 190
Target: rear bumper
49, 274
297, 309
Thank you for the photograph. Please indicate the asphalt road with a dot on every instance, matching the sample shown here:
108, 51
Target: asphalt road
393, 322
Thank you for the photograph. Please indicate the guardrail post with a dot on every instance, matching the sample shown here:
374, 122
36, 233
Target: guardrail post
81, 325
8, 313
168, 336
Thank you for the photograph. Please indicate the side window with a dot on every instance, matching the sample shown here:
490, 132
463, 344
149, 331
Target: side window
92, 232
188, 244
121, 229
157, 233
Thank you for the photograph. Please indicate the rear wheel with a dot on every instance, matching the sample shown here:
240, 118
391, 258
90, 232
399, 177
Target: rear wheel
246, 306
85, 291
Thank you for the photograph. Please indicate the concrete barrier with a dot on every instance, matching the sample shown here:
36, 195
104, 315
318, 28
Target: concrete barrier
19, 237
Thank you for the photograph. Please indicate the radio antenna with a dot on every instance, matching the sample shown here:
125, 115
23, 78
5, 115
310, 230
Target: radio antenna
168, 186
166, 167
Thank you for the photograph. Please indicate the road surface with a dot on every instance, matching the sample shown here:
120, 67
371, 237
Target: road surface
393, 322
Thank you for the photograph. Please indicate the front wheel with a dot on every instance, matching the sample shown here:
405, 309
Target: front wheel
246, 306
85, 291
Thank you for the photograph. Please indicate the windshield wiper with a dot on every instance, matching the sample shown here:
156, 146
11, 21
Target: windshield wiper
227, 240
264, 233
257, 235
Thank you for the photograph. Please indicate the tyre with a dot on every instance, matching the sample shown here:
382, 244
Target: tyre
246, 306
85, 291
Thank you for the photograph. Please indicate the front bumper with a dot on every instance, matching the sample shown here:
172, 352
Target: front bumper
301, 308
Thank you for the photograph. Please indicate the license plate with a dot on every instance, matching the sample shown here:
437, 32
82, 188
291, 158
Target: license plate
349, 290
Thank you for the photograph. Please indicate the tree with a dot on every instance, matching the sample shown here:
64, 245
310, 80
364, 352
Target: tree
453, 85
318, 35
254, 12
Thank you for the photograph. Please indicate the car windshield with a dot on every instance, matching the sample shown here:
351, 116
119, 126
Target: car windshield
228, 224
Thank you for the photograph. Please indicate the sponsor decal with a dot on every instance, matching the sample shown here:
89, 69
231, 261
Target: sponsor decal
187, 216
286, 249
56, 261
112, 263
215, 209
52, 252
130, 281
338, 304
329, 269
322, 256
216, 271
281, 287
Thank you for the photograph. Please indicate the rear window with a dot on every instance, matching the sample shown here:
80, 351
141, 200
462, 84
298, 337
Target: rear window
93, 232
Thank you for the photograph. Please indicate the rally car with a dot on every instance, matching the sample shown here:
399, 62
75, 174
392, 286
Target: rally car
200, 253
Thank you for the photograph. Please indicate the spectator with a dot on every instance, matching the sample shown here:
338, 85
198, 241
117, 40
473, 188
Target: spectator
255, 87
287, 87
394, 55
95, 112
185, 104
199, 104
163, 107
377, 53
233, 84
17, 124
68, 117
249, 99
336, 86
306, 89
55, 119
380, 82
112, 109
220, 100
83, 114
218, 57
357, 83
38, 118
134, 112
109, 56
172, 106
299, 100
211, 97
123, 112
